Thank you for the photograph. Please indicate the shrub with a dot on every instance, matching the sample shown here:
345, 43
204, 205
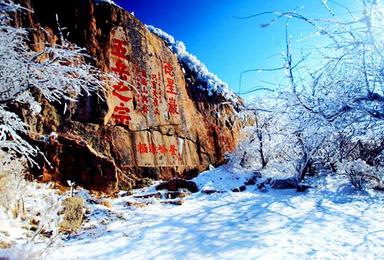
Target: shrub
361, 175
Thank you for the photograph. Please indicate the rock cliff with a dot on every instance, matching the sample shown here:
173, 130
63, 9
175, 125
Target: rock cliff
152, 123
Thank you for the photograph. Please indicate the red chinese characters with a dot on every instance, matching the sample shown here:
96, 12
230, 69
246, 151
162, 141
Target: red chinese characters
168, 69
154, 149
172, 150
156, 94
171, 86
121, 70
142, 148
142, 86
162, 149
140, 90
121, 114
121, 90
172, 106
170, 89
119, 48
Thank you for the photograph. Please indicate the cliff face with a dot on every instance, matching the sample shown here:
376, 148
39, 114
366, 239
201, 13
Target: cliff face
153, 123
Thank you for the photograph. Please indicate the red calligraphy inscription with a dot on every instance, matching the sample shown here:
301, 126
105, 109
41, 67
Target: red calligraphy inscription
172, 106
120, 89
171, 86
172, 149
162, 149
170, 89
152, 148
142, 86
118, 48
142, 148
144, 81
159, 87
168, 68
155, 94
121, 70
121, 114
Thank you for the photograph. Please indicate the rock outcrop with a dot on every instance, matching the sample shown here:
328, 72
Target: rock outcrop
73, 214
153, 123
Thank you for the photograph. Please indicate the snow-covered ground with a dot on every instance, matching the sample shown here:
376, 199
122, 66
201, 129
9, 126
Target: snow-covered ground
332, 221
326, 223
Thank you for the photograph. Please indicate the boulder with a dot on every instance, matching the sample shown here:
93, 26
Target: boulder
176, 184
5, 245
72, 214
239, 189
289, 183
211, 191
253, 179
153, 122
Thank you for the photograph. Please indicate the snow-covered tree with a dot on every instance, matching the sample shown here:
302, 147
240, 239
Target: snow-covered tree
332, 109
58, 71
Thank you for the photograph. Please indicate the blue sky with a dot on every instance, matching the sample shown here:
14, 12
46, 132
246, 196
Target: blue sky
228, 45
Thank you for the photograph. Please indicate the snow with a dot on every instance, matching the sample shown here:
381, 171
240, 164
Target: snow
209, 81
221, 179
42, 205
57, 71
105, 1
332, 221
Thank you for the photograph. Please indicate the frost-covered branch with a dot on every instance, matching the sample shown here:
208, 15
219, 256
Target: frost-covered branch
58, 72
332, 112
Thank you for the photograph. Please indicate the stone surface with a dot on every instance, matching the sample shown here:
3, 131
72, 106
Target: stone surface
5, 245
152, 123
72, 214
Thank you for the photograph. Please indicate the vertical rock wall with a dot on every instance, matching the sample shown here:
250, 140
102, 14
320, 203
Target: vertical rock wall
152, 123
